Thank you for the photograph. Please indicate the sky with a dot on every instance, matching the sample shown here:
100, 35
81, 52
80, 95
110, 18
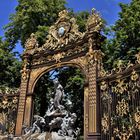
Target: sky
108, 10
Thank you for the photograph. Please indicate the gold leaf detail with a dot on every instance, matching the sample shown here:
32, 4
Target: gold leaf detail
137, 118
31, 43
94, 22
134, 76
138, 58
105, 123
122, 108
103, 86
121, 87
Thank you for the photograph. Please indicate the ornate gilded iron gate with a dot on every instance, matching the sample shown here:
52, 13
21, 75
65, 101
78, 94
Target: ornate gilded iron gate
120, 103
65, 46
8, 110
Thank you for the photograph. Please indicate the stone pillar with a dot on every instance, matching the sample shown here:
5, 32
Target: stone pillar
94, 133
22, 97
85, 111
94, 60
28, 111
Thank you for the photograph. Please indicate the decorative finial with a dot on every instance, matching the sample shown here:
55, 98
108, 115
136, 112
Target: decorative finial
63, 14
93, 10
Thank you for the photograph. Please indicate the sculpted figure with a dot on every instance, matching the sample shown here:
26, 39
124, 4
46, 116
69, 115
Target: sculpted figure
38, 125
67, 125
58, 93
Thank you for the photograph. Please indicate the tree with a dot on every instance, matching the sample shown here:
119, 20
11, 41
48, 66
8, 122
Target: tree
9, 66
36, 16
125, 35
32, 16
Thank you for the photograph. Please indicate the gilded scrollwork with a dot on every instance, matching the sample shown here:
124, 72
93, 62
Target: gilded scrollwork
105, 123
31, 43
138, 57
103, 85
124, 88
121, 86
58, 57
105, 96
137, 118
4, 103
11, 128
124, 134
82, 61
122, 108
25, 70
8, 110
134, 76
94, 22
64, 31
93, 55
8, 91
102, 72
3, 118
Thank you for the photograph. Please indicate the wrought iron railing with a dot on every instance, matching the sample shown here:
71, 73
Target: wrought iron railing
8, 109
120, 103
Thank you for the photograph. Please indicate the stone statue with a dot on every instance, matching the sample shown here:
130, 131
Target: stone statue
67, 126
57, 124
59, 92
37, 126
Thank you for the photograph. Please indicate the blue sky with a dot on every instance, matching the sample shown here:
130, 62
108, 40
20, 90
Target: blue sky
108, 9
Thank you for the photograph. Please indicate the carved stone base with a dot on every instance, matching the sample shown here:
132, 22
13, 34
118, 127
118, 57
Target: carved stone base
94, 136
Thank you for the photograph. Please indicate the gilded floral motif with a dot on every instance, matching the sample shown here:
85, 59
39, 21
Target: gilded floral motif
105, 123
138, 58
122, 108
94, 21
58, 57
124, 134
2, 118
103, 85
121, 86
137, 118
31, 43
134, 76
102, 73
25, 70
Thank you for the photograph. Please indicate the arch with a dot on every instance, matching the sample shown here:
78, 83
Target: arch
47, 69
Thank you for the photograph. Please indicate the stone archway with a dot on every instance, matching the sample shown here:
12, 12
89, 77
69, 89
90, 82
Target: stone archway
65, 46
41, 98
37, 73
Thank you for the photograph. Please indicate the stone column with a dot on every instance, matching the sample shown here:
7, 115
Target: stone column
94, 60
22, 97
94, 133
86, 111
28, 111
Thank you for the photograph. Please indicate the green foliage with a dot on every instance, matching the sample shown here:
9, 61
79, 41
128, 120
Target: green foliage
82, 19
9, 66
36, 16
32, 16
124, 41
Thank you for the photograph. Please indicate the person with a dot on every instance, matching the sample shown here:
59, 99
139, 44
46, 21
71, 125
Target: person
59, 92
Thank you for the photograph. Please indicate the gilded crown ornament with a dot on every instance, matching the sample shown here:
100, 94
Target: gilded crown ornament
94, 22
63, 14
31, 42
